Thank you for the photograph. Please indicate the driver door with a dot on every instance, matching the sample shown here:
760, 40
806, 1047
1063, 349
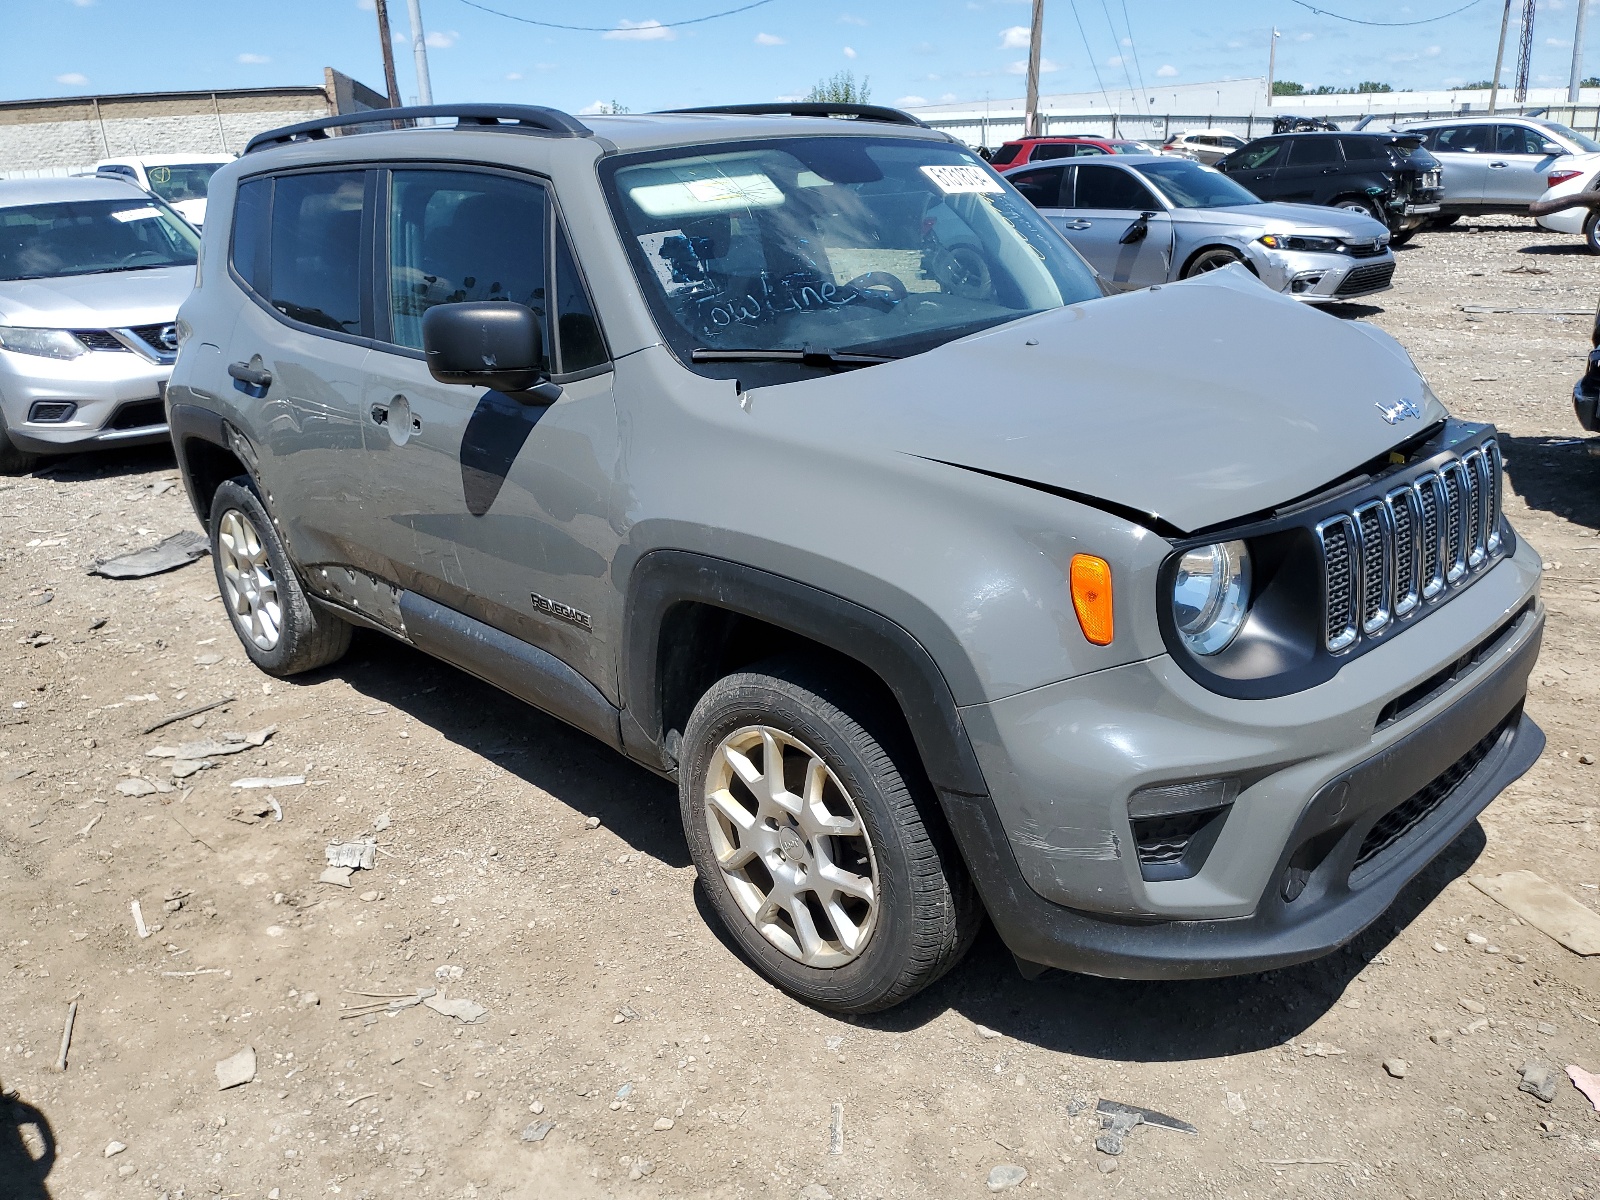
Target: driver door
1103, 207
1519, 168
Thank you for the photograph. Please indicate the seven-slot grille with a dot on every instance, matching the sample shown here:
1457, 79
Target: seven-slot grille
1385, 558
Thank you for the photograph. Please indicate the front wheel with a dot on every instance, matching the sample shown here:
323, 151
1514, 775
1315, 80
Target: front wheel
280, 629
13, 461
817, 842
1213, 259
1404, 233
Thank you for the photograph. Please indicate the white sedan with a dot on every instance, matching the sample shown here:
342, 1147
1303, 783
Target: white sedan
1572, 202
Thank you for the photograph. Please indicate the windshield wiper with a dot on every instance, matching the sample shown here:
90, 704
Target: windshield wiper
811, 356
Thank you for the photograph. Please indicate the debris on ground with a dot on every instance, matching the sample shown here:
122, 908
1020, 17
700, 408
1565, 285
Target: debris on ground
254, 813
663, 1124
138, 919
1538, 1080
985, 1032
114, 1148
1586, 1082
179, 550
276, 781
1118, 1120
185, 714
382, 1001
468, 1012
215, 747
236, 1069
338, 876
358, 856
1396, 1067
72, 1016
537, 1131
1545, 907
1006, 1176
836, 1128
136, 787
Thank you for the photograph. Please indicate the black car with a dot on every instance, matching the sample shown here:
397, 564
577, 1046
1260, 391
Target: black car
1388, 176
1586, 396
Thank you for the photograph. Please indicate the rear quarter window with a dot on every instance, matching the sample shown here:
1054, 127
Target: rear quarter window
252, 209
1005, 155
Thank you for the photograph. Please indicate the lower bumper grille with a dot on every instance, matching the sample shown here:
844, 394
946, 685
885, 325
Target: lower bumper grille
1369, 278
139, 414
1411, 812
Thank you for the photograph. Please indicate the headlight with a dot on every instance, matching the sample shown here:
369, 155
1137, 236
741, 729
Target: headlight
1279, 241
1211, 595
51, 343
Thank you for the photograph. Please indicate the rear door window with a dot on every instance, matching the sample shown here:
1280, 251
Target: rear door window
1049, 150
1463, 139
252, 210
314, 254
464, 235
1041, 188
1315, 152
1112, 188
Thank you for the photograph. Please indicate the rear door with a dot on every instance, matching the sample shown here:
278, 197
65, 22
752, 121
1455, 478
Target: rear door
300, 246
1518, 166
1311, 176
1105, 204
1463, 154
493, 505
1256, 166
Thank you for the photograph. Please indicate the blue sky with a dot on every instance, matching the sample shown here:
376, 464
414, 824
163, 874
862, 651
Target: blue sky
932, 49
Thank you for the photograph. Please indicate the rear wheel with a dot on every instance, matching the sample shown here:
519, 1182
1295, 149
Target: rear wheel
12, 460
816, 840
1360, 204
1211, 259
1443, 220
1591, 232
280, 629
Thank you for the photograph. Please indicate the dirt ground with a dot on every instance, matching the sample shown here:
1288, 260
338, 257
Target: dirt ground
527, 869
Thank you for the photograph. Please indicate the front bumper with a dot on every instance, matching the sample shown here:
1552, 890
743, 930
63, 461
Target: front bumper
117, 397
1055, 858
1320, 278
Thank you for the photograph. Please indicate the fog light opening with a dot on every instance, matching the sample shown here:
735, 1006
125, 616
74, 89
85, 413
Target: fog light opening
51, 411
1306, 282
1175, 825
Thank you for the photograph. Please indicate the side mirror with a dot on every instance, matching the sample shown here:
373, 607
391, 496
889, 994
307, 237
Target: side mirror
485, 343
1138, 231
1552, 148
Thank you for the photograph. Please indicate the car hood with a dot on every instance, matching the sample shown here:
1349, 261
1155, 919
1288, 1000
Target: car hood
108, 301
1299, 218
1194, 404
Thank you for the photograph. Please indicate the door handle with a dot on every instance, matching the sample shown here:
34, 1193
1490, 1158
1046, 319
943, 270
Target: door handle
1080, 223
1493, 165
256, 377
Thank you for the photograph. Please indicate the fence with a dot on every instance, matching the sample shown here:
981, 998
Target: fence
992, 131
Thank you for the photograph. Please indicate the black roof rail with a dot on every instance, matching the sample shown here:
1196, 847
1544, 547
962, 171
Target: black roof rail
522, 118
809, 108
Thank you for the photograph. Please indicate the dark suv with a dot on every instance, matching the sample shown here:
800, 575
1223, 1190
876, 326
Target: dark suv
1385, 175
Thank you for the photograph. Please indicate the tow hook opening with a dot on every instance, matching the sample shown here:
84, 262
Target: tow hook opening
1176, 825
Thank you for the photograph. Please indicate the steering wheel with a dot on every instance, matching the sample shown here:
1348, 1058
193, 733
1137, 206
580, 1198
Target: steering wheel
879, 288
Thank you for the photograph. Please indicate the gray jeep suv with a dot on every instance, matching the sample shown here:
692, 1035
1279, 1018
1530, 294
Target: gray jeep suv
793, 455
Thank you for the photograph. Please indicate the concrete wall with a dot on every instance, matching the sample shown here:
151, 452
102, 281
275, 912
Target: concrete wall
39, 137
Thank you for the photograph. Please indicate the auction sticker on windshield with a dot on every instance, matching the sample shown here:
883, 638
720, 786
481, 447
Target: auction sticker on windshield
143, 213
954, 180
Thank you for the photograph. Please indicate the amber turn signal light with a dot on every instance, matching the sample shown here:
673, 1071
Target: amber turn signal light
1091, 597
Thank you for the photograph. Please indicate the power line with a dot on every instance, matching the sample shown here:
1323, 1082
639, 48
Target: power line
1116, 39
1133, 45
1094, 66
1322, 12
614, 28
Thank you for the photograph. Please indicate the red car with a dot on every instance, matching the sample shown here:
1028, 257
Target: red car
1026, 150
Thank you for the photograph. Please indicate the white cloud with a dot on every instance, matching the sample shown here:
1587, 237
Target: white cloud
73, 78
910, 101
598, 108
441, 40
1014, 38
1020, 67
1115, 60
1304, 37
84, 3
513, 76
790, 99
849, 53
367, 5
1127, 41
1433, 51
640, 31
769, 39
1168, 71
851, 19
254, 60
948, 98
1557, 42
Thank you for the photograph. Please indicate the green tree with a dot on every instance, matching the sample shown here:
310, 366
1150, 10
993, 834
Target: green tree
615, 109
1482, 85
1591, 81
1287, 87
841, 88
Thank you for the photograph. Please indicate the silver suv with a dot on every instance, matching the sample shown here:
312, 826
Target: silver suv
790, 453
1498, 164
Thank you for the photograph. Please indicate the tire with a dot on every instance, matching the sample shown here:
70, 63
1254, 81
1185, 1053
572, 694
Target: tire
12, 460
1591, 232
1363, 206
1213, 258
866, 950
280, 629
1404, 233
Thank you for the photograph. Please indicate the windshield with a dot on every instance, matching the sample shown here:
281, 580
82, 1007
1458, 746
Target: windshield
864, 245
1587, 143
90, 237
176, 182
1187, 184
1129, 148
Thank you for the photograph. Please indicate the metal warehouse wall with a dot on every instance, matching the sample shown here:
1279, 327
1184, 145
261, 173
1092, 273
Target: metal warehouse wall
54, 137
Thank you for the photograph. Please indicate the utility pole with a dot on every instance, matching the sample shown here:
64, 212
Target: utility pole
1499, 57
1272, 62
1030, 122
1576, 79
388, 53
419, 48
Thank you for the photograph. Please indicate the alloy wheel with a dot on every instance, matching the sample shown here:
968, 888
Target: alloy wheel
248, 584
1213, 260
792, 847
